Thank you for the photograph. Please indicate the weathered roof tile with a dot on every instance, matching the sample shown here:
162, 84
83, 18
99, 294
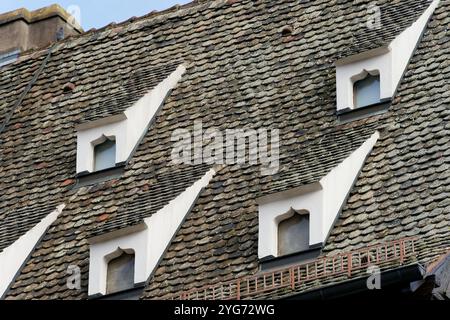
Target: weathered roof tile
241, 72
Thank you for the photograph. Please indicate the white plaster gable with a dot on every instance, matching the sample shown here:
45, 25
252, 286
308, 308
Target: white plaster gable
389, 62
348, 74
127, 128
338, 183
101, 253
323, 200
13, 257
270, 212
148, 241
402, 47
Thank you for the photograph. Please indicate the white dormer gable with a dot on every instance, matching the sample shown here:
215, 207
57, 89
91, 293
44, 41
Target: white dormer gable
147, 241
13, 257
322, 200
388, 62
125, 129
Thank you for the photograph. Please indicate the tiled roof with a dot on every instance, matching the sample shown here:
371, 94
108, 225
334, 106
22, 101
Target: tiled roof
18, 222
124, 91
153, 196
394, 17
241, 72
314, 155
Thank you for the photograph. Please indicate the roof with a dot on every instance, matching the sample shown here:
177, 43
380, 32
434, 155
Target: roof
241, 72
158, 191
394, 17
126, 89
18, 222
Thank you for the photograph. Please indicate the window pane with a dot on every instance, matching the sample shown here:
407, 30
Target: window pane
367, 91
120, 273
105, 155
293, 234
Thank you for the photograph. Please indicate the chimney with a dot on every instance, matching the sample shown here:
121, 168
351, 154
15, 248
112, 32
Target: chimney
22, 30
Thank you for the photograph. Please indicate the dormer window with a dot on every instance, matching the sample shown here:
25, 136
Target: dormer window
293, 233
366, 91
120, 273
365, 83
109, 142
105, 154
125, 258
294, 224
361, 93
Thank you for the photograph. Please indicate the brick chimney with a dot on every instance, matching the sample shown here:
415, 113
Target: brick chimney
22, 30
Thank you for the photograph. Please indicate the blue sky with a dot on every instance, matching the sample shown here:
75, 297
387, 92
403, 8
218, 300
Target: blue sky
96, 13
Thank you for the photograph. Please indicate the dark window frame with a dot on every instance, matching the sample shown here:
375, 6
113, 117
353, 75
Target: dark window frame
301, 220
366, 80
127, 258
105, 141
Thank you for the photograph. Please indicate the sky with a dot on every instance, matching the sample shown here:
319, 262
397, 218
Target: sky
96, 13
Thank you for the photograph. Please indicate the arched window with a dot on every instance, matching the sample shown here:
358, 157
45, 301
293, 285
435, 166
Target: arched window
366, 91
293, 233
105, 155
120, 274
